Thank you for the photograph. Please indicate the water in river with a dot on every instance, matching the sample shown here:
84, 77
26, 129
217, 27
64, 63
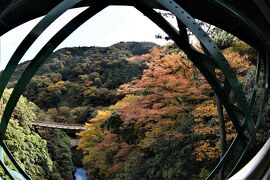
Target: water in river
80, 174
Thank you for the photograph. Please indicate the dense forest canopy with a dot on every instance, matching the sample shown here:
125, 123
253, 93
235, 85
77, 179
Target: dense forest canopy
166, 126
148, 112
70, 87
33, 152
76, 81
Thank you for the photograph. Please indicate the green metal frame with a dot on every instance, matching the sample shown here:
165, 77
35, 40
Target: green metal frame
240, 114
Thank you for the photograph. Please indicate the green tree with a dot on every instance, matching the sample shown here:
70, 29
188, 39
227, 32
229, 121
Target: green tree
28, 148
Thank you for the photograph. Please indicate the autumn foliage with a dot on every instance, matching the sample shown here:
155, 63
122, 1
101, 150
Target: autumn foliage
165, 127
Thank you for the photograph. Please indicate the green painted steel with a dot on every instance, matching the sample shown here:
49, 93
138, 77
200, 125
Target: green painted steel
24, 46
13, 161
253, 29
29, 40
198, 61
219, 59
11, 173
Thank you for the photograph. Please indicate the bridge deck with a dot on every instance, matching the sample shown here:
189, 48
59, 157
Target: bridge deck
59, 126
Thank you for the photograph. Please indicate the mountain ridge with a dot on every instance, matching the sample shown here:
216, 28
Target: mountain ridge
74, 81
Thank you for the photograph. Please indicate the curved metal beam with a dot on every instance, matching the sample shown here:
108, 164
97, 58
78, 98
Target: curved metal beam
197, 58
40, 58
217, 56
33, 9
256, 167
30, 39
205, 62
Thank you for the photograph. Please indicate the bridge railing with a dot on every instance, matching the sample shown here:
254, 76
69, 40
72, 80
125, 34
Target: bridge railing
258, 167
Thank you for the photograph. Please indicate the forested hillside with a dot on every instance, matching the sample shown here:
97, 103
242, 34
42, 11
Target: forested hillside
166, 126
74, 82
70, 87
148, 112
32, 152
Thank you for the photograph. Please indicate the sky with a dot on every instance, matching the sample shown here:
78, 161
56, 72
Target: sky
112, 25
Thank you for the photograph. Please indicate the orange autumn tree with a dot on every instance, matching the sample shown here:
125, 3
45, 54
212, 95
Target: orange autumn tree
171, 106
206, 115
150, 110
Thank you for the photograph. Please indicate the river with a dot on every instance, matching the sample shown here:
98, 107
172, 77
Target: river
80, 174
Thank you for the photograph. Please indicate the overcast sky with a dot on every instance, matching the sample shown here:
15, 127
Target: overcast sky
110, 26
